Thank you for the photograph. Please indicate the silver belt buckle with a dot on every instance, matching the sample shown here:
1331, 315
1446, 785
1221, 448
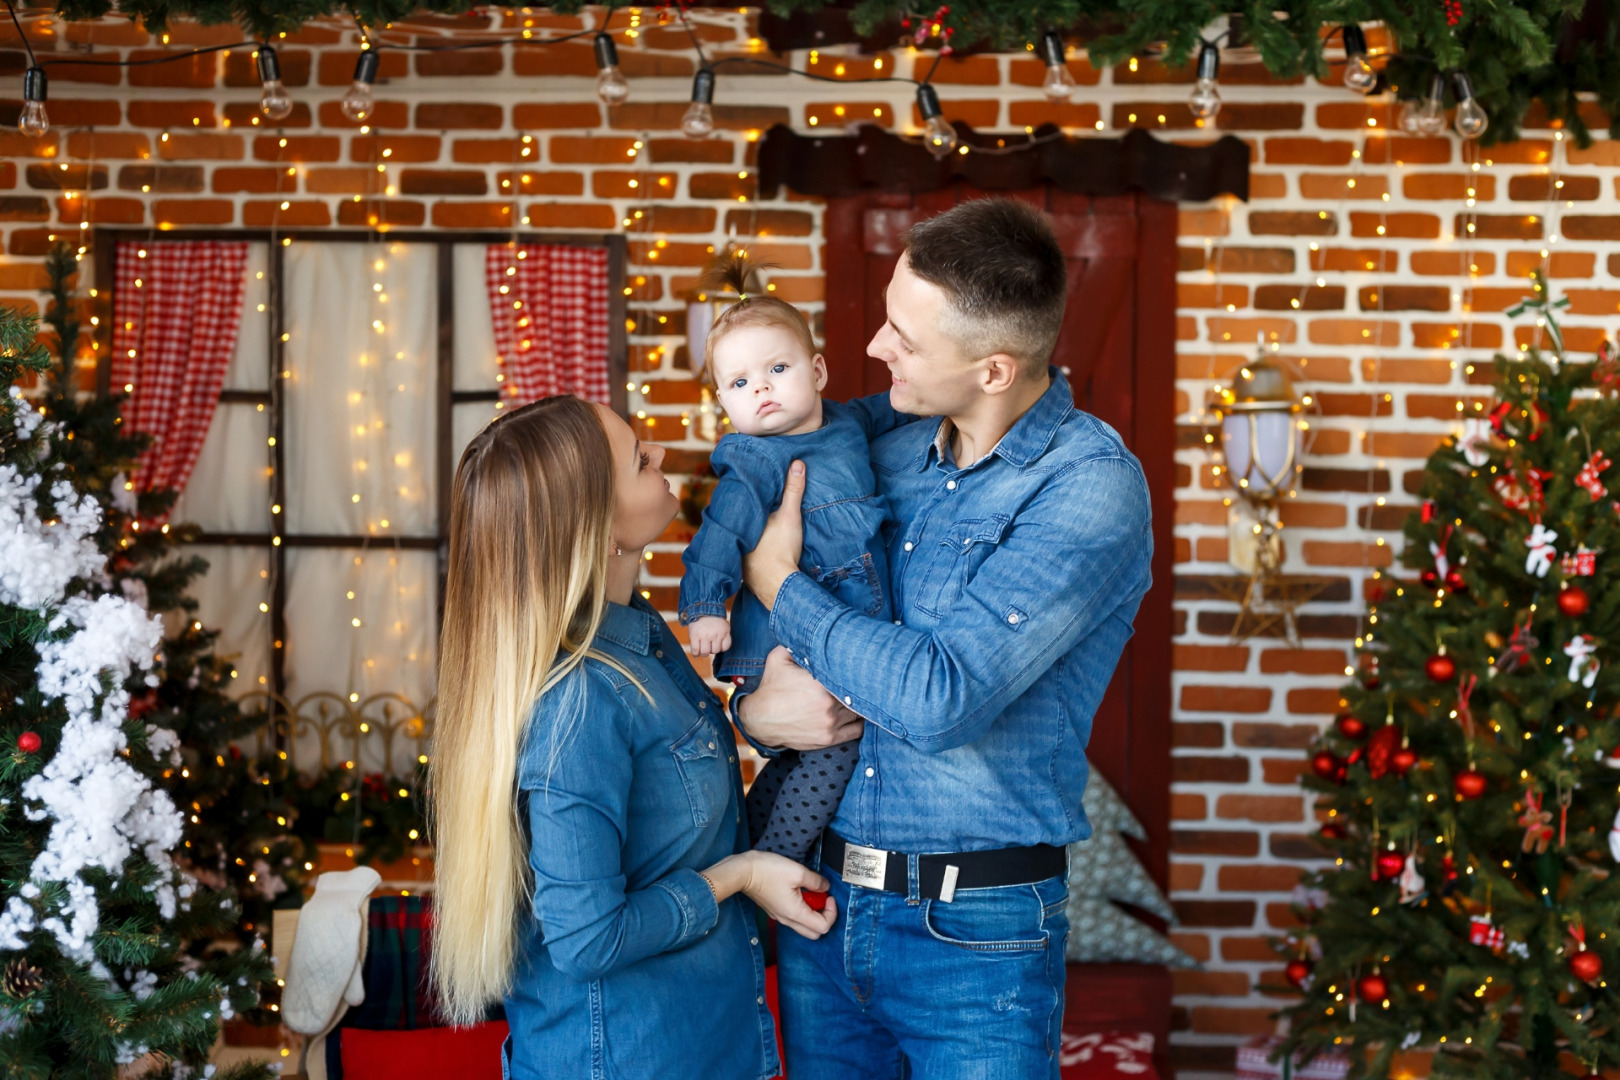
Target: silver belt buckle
865, 866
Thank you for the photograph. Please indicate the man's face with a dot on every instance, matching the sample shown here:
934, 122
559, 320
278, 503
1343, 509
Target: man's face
931, 376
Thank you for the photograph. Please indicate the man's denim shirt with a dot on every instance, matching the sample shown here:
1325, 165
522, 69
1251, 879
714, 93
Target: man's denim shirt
1014, 582
627, 967
843, 524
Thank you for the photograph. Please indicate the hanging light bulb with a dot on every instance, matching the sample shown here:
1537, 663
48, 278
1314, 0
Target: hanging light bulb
274, 102
611, 87
33, 122
1470, 120
357, 103
1358, 73
1059, 84
1205, 101
698, 122
1432, 113
937, 131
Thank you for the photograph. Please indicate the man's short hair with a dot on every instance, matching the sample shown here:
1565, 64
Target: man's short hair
1000, 266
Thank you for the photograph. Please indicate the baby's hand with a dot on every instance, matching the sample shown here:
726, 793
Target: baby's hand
710, 634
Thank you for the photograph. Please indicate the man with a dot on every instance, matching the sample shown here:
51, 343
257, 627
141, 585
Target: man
1017, 563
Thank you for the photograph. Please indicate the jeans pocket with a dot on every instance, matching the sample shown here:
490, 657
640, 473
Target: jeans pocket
1004, 921
700, 761
855, 583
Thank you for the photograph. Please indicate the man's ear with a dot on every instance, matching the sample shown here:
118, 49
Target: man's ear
820, 363
1000, 373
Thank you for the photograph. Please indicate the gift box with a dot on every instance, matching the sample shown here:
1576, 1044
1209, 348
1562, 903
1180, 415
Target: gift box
1254, 1063
1101, 1055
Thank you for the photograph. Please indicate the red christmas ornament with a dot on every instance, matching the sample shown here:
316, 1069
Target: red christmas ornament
1573, 601
1441, 667
1332, 830
1586, 965
28, 742
1430, 579
1325, 764
1372, 988
1381, 749
1390, 864
1351, 727
1402, 760
1470, 783
1298, 972
1455, 582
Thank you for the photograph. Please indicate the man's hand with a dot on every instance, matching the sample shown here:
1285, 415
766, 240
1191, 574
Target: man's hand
776, 556
791, 710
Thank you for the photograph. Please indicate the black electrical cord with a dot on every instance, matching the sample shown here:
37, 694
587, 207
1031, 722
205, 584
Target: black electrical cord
18, 24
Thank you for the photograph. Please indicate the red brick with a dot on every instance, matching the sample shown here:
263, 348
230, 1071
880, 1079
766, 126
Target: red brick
62, 176
627, 184
532, 116
1262, 808
1354, 332
1324, 186
176, 114
1302, 661
443, 182
767, 222
1359, 260
1411, 226
505, 151
193, 72
108, 32
242, 67
1292, 223
1316, 699
105, 211
101, 145
571, 216
472, 215
193, 211
1440, 407
714, 151
1252, 878
1405, 298
446, 115
1593, 301
1452, 187
1403, 444
1065, 114
542, 183
1197, 769
1185, 806
1238, 949
1280, 150
1210, 983
676, 219
1299, 298
1194, 945
30, 242
1312, 515
1521, 152
1210, 657
305, 213
86, 73
336, 66
1209, 295
1233, 699
664, 253
396, 149
84, 112
1383, 149
1559, 264
229, 180
350, 181
1454, 336
386, 114
382, 213
1590, 227
1206, 734
1353, 115
1542, 187
592, 150
460, 62
1260, 736
1287, 771
298, 148
723, 186
186, 147
979, 114
1480, 298
1511, 227
1453, 263
1215, 912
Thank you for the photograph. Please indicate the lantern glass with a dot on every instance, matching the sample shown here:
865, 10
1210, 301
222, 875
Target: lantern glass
1262, 448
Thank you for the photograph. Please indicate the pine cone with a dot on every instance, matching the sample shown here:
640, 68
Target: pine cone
21, 978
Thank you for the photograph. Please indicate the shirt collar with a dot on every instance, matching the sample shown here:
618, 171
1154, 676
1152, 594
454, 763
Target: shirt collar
1030, 434
631, 627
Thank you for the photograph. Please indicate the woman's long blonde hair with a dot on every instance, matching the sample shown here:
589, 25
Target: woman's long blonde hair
531, 514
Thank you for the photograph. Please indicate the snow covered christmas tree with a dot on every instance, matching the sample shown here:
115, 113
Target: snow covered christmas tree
94, 914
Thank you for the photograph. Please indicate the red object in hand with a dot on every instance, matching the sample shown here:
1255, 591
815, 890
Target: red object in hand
28, 742
815, 901
1402, 760
1390, 864
1352, 727
1441, 668
1573, 601
1586, 965
1372, 988
1297, 972
1470, 783
1325, 764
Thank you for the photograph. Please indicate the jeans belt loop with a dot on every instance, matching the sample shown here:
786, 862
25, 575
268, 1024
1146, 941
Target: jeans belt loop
913, 880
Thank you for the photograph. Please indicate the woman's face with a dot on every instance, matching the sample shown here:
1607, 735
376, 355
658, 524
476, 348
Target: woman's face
645, 504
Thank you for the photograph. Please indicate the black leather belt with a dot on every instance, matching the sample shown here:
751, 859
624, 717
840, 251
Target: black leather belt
941, 875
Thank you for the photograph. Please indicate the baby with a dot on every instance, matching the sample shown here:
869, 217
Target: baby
768, 377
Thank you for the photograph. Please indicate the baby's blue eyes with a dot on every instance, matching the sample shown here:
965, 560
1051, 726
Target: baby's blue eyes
776, 369
737, 384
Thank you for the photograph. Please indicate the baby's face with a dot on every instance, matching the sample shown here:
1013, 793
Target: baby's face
767, 383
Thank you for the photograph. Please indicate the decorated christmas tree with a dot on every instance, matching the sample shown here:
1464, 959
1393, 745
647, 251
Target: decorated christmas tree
95, 915
240, 809
1469, 787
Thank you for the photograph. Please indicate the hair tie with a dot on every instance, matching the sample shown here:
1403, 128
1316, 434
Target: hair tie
741, 297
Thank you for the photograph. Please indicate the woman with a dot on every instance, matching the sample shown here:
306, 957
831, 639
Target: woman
591, 854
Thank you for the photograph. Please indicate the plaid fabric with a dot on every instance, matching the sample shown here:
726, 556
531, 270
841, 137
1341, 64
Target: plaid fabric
177, 306
549, 306
397, 991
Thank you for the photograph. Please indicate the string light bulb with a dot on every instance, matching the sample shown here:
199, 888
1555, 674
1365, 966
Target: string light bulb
698, 123
1428, 116
1205, 100
611, 87
1358, 73
274, 102
33, 122
1470, 119
358, 103
1059, 84
937, 131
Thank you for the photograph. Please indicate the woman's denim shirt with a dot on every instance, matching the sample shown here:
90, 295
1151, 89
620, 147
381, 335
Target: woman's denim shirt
627, 967
843, 524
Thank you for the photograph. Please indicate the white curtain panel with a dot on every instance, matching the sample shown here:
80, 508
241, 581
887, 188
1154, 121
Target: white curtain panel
473, 348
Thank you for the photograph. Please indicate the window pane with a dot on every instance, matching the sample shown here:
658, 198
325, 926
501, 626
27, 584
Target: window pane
362, 353
228, 599
250, 364
467, 421
474, 341
229, 490
394, 599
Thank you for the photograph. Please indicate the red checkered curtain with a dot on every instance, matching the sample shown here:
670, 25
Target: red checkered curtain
549, 305
177, 306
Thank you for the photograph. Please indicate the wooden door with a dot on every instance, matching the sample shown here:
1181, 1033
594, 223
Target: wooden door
1117, 349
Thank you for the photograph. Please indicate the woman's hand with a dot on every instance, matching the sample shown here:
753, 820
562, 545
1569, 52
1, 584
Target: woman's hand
773, 882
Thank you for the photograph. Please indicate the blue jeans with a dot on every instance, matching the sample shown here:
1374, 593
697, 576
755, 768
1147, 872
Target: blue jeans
918, 989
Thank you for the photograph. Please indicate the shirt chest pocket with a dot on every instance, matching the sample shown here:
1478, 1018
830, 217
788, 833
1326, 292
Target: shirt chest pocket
700, 759
957, 558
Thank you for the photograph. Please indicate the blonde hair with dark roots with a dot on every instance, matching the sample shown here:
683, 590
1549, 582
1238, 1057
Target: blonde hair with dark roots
531, 512
753, 309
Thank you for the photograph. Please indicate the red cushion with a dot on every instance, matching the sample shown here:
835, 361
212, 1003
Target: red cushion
472, 1053
1103, 1055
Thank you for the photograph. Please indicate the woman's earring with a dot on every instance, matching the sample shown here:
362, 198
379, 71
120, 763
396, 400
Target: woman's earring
616, 550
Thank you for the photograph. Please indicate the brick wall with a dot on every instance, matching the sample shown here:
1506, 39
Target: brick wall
1360, 254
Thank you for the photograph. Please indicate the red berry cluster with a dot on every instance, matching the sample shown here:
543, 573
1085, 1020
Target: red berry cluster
1453, 11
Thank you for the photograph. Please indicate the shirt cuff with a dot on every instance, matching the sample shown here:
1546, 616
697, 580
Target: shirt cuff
801, 617
700, 610
734, 708
694, 899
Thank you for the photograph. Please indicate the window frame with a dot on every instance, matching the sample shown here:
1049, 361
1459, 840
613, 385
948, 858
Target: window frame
277, 542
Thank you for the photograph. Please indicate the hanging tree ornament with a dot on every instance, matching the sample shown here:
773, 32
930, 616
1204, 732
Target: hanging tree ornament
1482, 932
1588, 477
1351, 726
1573, 601
1477, 441
1537, 824
1518, 652
28, 742
1583, 664
1614, 837
1441, 667
1381, 749
1470, 783
1413, 887
1539, 559
1464, 711
1566, 796
1582, 562
1389, 864
1298, 972
1584, 964
1372, 988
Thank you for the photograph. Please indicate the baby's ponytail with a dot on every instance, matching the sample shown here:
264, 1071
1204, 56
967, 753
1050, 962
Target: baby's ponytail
734, 272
